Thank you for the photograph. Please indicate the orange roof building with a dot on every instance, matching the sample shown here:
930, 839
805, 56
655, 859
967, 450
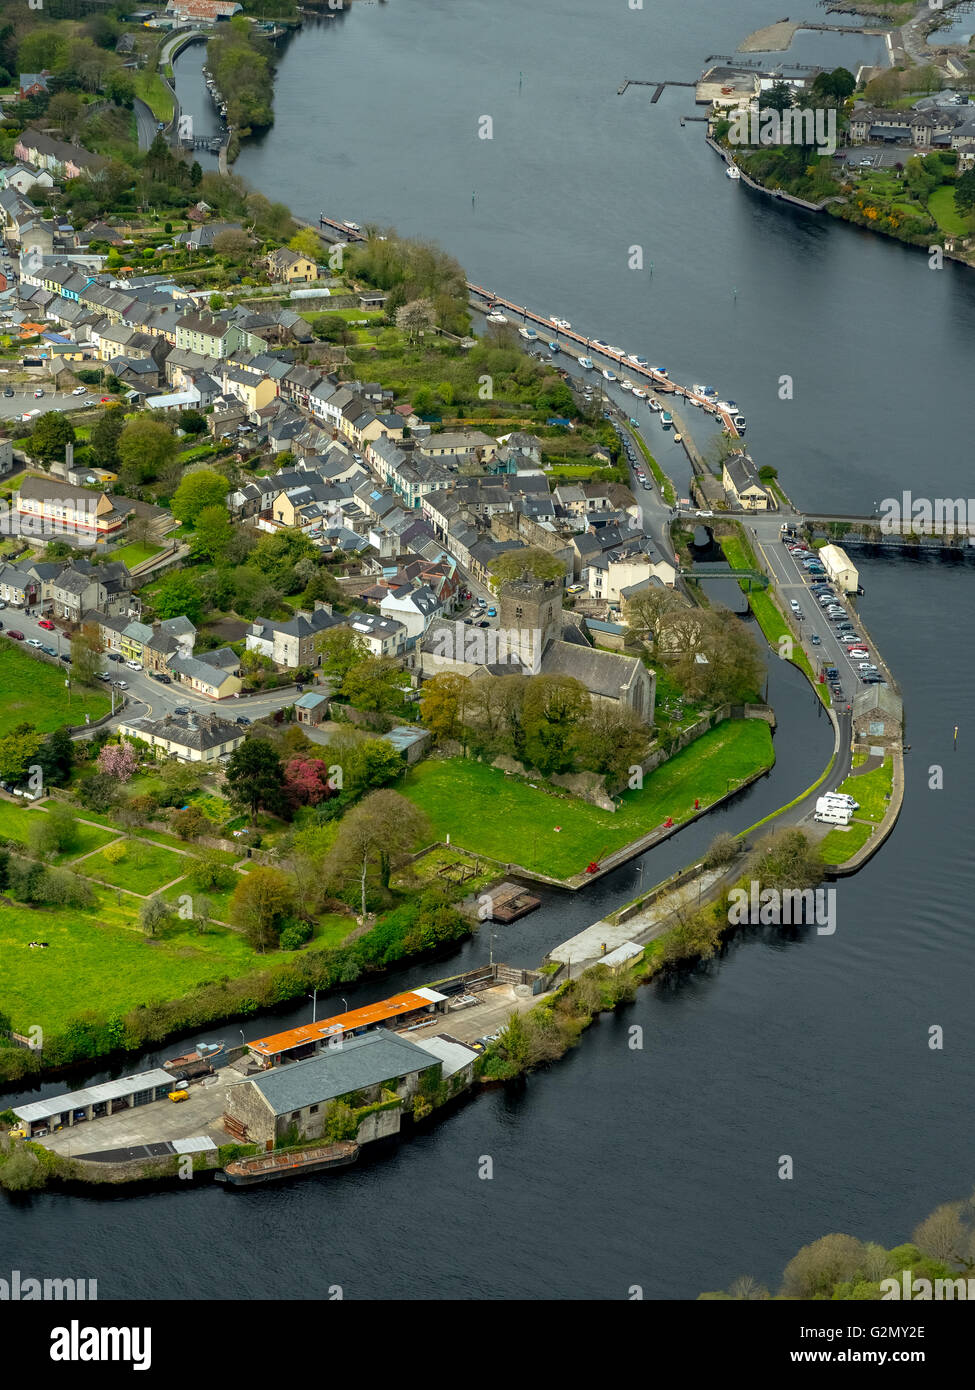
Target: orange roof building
296, 1043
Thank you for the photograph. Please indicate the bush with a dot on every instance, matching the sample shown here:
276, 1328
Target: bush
115, 852
295, 935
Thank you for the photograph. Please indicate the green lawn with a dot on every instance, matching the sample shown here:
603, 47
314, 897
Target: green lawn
843, 842
34, 692
504, 817
14, 822
941, 205
870, 789
89, 837
145, 868
135, 553
150, 87
100, 959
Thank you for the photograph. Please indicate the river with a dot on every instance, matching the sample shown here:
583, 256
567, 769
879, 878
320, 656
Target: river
656, 1165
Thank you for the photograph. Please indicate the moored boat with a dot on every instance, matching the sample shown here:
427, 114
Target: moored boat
733, 172
666, 419
586, 363
288, 1163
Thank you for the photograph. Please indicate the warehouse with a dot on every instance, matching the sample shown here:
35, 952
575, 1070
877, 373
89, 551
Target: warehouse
295, 1044
264, 1108
40, 1117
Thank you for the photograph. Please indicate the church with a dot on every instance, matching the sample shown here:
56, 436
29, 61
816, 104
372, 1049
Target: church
535, 637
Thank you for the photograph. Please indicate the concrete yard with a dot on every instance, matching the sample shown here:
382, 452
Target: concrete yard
152, 1124
490, 1013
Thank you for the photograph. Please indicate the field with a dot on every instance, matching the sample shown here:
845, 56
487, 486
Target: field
99, 958
145, 868
841, 844
941, 205
150, 87
34, 692
507, 819
871, 789
135, 553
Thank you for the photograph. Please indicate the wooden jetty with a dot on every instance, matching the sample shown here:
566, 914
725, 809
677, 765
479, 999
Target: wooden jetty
509, 901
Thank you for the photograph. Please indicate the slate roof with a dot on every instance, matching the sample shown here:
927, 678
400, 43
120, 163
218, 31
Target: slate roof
359, 1063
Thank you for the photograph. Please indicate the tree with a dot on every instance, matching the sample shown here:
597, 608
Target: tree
178, 597
198, 491
814, 1271
50, 435
118, 760
104, 438
254, 776
376, 834
212, 534
22, 1171
787, 859
531, 560
554, 707
56, 758
145, 447
232, 245
415, 318
98, 792
340, 649
306, 781
54, 832
261, 902
965, 191
306, 243
86, 650
17, 752
779, 97
374, 684
153, 915
64, 110
611, 740
444, 702
191, 823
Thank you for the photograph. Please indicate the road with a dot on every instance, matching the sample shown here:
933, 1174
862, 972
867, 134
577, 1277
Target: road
146, 697
146, 122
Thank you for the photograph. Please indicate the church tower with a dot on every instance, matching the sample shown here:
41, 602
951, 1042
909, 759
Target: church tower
530, 616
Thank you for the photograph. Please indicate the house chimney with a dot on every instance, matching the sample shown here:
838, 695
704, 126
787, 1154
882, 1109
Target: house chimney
68, 457
322, 604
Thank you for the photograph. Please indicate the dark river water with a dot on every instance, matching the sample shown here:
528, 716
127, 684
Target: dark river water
655, 1165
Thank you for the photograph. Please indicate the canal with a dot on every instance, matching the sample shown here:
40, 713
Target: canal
653, 1165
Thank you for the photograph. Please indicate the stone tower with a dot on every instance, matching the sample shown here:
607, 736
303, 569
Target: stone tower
530, 616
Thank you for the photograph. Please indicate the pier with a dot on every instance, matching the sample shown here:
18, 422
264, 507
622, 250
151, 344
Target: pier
651, 82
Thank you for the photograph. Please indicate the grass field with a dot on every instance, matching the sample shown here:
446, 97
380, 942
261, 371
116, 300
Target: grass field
941, 205
841, 844
89, 837
135, 553
871, 789
99, 958
150, 87
145, 868
34, 692
487, 812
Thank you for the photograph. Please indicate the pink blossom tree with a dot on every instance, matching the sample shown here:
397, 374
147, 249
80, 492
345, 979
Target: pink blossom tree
118, 760
306, 781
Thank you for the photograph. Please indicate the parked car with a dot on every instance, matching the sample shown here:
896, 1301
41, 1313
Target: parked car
115, 656
181, 709
49, 651
32, 642
134, 665
161, 677
103, 675
79, 390
38, 393
121, 685
46, 624
17, 636
8, 390
793, 604
242, 719
65, 658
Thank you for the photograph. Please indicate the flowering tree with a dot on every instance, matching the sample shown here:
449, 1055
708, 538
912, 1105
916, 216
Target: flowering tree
306, 781
119, 760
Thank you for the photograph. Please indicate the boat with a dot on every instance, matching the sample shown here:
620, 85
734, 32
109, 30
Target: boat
610, 376
554, 346
677, 437
626, 384
639, 392
739, 423
733, 172
196, 1063
666, 419
586, 363
709, 393
528, 334
495, 317
288, 1163
653, 403
697, 390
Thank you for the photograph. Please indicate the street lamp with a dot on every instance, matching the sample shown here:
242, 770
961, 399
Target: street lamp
346, 1003
314, 1003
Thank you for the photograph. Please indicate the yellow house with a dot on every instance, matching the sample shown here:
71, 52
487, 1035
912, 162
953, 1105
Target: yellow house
255, 392
741, 482
288, 265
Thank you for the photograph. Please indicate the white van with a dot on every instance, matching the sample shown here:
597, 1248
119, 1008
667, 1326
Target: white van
842, 799
828, 813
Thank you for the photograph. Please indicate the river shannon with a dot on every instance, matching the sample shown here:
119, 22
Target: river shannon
655, 1165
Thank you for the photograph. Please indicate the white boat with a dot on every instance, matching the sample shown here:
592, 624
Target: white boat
666, 419
699, 390
586, 363
496, 318
610, 376
528, 334
677, 437
739, 423
639, 392
626, 384
658, 371
562, 323
653, 403
733, 172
